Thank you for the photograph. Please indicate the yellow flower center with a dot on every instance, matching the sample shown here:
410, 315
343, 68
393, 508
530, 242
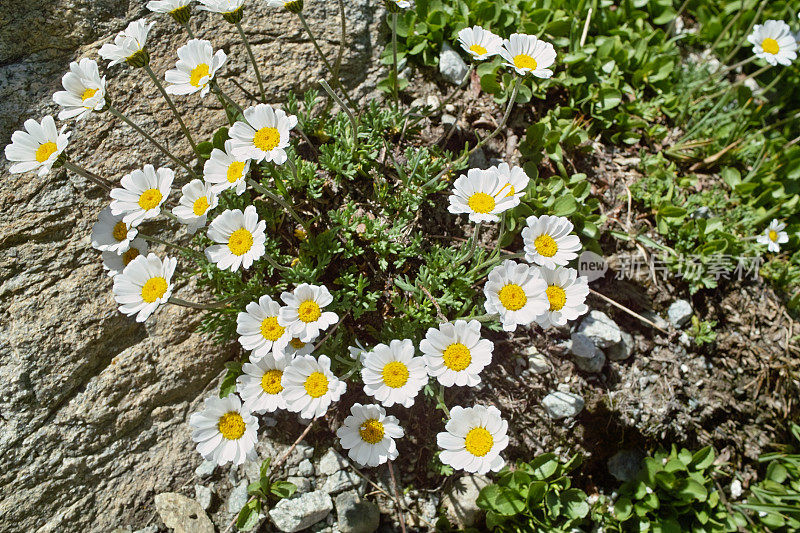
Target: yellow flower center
395, 374
371, 431
45, 150
478, 49
197, 74
557, 297
512, 297
231, 425
267, 139
240, 241
309, 311
296, 343
129, 256
88, 93
457, 357
271, 330
525, 61
545, 245
480, 202
271, 381
200, 206
773, 235
770, 46
120, 231
478, 442
154, 289
316, 384
150, 199
235, 171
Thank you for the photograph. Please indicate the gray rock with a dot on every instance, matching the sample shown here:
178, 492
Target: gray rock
448, 120
300, 512
182, 514
623, 349
305, 468
561, 404
459, 500
152, 528
478, 159
205, 469
203, 495
341, 480
538, 364
331, 462
591, 364
656, 319
451, 66
679, 313
303, 484
599, 327
582, 346
356, 515
237, 498
625, 464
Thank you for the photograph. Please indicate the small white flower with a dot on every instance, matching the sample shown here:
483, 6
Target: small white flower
224, 171
566, 294
127, 43
167, 6
240, 236
479, 193
774, 42
295, 347
85, 90
142, 193
310, 387
455, 353
473, 439
480, 43
517, 293
221, 6
260, 385
38, 147
111, 234
402, 4
774, 236
197, 199
549, 241
302, 316
225, 431
264, 136
368, 435
528, 55
144, 285
392, 375
197, 63
115, 263
514, 180
259, 330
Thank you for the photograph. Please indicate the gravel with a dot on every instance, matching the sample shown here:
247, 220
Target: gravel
679, 313
561, 404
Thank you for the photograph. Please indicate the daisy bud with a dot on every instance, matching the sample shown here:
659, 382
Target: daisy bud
234, 17
295, 6
179, 10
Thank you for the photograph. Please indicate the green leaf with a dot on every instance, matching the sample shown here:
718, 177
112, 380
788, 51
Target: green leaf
220, 136
609, 98
690, 489
283, 489
702, 459
544, 466
204, 149
248, 516
574, 502
501, 500
263, 471
229, 381
671, 211
565, 206
623, 509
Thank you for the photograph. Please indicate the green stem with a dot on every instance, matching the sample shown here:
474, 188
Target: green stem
91, 176
492, 261
194, 305
350, 115
223, 96
184, 249
172, 107
188, 30
336, 80
275, 264
473, 245
396, 84
440, 403
275, 198
252, 61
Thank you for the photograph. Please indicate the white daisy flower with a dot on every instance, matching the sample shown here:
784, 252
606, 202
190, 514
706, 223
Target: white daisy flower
549, 241
225, 431
368, 435
473, 439
111, 234
514, 180
197, 63
85, 90
302, 316
357, 352
260, 385
455, 353
566, 293
774, 42
128, 43
310, 387
264, 136
396, 6
224, 171
240, 236
517, 293
197, 199
221, 6
392, 375
528, 55
479, 193
774, 236
167, 6
38, 147
480, 43
142, 193
294, 348
115, 263
295, 6
144, 285
259, 330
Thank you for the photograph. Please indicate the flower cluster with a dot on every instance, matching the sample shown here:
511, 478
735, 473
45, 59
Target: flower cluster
526, 54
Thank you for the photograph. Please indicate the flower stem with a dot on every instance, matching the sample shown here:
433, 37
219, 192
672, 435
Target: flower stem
91, 176
494, 260
140, 131
396, 84
275, 198
335, 79
440, 403
172, 107
397, 496
195, 305
350, 115
188, 30
184, 249
223, 96
473, 245
252, 60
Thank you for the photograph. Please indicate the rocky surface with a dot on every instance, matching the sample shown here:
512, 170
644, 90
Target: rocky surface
93, 406
458, 501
